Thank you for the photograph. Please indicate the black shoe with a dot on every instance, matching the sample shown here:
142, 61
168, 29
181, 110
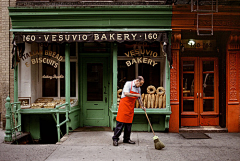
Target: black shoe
115, 143
129, 141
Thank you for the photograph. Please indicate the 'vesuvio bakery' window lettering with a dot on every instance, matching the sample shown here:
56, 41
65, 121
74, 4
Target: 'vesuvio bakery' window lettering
147, 60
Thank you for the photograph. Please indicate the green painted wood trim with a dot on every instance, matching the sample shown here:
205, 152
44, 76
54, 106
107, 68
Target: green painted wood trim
95, 8
168, 105
149, 111
15, 79
93, 30
67, 85
91, 17
115, 48
46, 111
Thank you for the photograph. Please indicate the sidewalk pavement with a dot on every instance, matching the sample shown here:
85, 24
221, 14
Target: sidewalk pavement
97, 146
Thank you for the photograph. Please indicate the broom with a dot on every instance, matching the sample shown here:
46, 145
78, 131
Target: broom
157, 143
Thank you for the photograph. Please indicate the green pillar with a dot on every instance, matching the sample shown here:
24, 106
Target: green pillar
15, 78
167, 85
8, 132
168, 77
16, 107
67, 82
115, 76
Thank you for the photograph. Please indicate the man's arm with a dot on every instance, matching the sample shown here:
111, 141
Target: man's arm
127, 94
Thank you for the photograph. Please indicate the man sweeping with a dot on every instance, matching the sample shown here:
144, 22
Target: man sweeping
131, 92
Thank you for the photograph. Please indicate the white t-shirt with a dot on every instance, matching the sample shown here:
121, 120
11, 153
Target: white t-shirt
127, 88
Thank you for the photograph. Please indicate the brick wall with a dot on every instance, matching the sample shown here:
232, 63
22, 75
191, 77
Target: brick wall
6, 74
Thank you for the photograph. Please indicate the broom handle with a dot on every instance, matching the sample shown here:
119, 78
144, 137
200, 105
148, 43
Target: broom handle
141, 104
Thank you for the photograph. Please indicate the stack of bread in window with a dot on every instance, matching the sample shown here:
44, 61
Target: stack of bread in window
155, 98
51, 103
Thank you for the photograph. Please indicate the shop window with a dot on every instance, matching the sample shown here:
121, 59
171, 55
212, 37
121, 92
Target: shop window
50, 87
143, 59
147, 60
42, 75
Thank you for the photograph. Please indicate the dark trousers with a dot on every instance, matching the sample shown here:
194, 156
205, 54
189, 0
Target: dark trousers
118, 130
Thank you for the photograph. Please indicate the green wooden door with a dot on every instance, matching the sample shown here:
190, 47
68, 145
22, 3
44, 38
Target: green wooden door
95, 92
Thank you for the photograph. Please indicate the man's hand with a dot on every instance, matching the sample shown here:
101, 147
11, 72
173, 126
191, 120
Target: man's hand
144, 109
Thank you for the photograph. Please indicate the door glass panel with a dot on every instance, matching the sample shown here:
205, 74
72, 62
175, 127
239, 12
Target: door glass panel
208, 66
94, 82
188, 105
208, 85
188, 85
208, 105
188, 65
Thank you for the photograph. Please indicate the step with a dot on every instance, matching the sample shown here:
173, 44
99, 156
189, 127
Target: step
203, 129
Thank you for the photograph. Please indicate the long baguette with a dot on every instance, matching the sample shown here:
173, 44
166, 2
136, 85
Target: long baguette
160, 101
149, 101
156, 100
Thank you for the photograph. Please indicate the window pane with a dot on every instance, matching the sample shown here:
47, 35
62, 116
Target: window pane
208, 85
208, 66
125, 73
94, 82
188, 105
73, 90
151, 75
188, 65
188, 85
208, 105
49, 86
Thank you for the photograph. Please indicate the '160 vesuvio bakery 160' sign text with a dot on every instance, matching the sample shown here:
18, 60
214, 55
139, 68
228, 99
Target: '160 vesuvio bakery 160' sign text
91, 37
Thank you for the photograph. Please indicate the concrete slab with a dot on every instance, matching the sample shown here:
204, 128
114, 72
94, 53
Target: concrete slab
10, 152
97, 145
99, 153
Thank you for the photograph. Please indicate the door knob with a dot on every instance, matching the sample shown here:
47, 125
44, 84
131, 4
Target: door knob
105, 99
197, 95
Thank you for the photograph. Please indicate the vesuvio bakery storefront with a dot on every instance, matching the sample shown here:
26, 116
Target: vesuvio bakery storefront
70, 65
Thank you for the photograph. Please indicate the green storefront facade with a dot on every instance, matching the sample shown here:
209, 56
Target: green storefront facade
78, 55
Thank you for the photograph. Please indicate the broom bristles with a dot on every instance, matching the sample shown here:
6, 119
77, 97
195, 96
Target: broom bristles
158, 144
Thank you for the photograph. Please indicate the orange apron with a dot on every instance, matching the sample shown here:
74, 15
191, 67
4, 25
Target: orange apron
126, 108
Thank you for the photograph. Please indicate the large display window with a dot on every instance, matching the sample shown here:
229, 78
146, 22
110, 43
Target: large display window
42, 74
147, 60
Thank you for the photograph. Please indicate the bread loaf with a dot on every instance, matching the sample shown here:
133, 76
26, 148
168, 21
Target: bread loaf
160, 101
151, 89
149, 101
145, 100
153, 101
119, 93
160, 89
156, 100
